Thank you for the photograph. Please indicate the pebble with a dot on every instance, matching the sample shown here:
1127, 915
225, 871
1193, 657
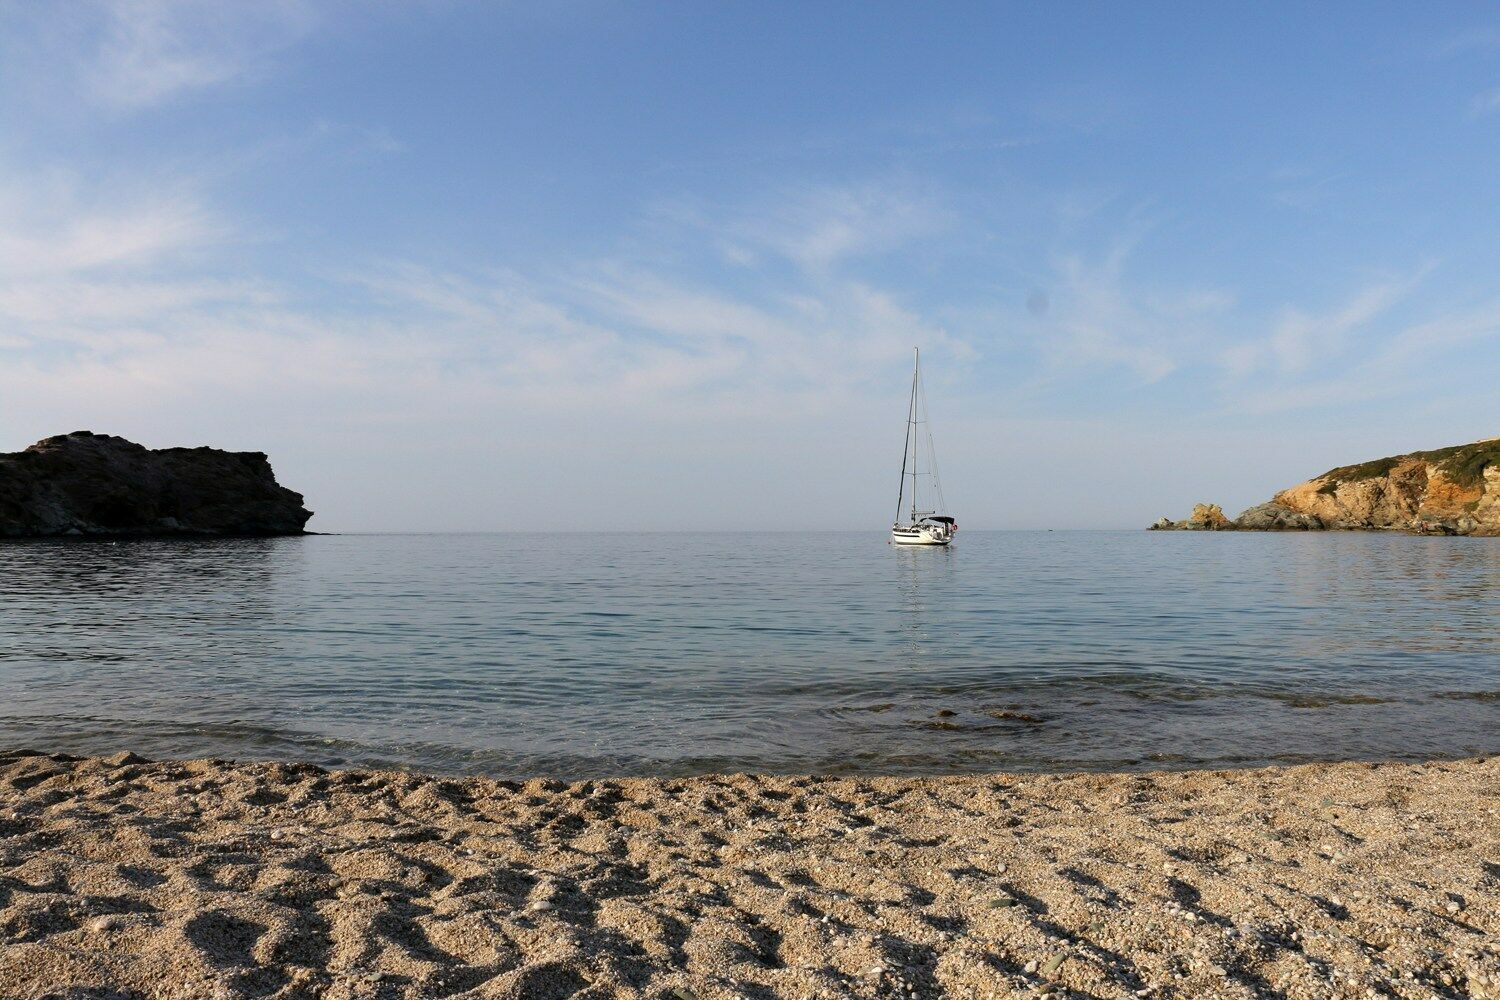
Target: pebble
1452, 907
105, 924
540, 906
1030, 967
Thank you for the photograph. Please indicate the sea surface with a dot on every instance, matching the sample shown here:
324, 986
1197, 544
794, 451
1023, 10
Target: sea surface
582, 655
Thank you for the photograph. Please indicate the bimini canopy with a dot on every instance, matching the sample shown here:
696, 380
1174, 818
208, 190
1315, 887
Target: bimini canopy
944, 518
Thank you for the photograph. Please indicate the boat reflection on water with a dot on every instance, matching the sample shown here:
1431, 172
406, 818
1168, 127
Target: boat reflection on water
925, 581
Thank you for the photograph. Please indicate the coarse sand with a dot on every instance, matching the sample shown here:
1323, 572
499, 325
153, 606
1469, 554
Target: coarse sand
123, 878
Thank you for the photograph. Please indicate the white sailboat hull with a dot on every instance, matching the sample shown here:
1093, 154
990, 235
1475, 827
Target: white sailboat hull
920, 535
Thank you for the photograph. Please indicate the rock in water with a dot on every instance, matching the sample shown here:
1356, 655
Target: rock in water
96, 484
1272, 516
1205, 517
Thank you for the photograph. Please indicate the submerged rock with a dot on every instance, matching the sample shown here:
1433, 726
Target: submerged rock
100, 485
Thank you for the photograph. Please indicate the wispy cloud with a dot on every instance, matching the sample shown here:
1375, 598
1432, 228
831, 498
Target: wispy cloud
153, 50
1391, 366
377, 139
1481, 38
1358, 352
1304, 189
1485, 103
1096, 315
1300, 340
813, 227
828, 225
126, 298
129, 55
51, 228
127, 295
104, 270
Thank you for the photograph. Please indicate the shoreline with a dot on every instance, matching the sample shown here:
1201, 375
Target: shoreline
217, 879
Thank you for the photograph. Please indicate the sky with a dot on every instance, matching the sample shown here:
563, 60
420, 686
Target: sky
661, 266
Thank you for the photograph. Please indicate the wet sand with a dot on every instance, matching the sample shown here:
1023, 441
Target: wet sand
208, 879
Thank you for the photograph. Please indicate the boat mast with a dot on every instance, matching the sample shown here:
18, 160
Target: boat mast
906, 443
916, 449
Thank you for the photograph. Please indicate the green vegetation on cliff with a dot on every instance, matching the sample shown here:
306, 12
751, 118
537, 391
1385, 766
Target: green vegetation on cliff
1464, 464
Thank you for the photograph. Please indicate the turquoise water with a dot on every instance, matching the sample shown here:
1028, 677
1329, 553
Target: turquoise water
595, 654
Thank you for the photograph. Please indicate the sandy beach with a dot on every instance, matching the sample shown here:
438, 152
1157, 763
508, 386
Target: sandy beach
126, 878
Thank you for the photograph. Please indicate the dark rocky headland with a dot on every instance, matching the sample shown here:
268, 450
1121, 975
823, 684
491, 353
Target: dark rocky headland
100, 485
1448, 491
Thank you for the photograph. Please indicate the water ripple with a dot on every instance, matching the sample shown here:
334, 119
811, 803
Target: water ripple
611, 654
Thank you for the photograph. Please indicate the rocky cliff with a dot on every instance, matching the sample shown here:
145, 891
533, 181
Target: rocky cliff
96, 484
1449, 491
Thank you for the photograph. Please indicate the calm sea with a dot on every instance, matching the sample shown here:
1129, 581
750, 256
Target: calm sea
610, 654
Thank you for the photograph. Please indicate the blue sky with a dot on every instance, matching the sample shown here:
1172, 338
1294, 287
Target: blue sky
605, 265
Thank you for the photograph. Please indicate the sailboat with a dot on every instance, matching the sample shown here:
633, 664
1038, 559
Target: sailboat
925, 527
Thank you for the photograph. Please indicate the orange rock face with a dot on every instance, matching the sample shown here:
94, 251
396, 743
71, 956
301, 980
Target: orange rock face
1209, 517
1447, 498
1420, 492
1448, 491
